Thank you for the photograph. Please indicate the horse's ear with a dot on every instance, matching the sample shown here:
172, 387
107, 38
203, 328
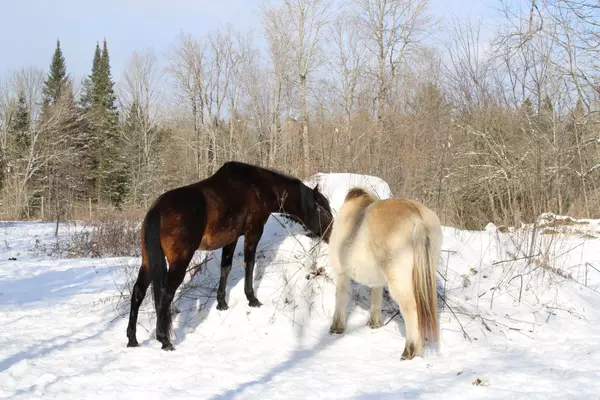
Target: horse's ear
317, 188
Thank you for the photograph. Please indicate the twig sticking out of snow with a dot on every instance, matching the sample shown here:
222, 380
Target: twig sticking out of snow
465, 334
516, 259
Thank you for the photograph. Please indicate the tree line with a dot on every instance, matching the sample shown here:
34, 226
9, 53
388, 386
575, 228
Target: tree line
499, 129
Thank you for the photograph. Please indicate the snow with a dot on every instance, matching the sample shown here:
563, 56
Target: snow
511, 330
336, 185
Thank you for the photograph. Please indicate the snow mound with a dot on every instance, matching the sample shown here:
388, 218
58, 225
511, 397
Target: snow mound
336, 185
552, 223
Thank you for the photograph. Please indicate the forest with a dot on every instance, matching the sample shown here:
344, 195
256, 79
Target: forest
483, 124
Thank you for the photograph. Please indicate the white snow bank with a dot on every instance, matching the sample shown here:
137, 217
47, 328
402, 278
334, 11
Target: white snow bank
336, 185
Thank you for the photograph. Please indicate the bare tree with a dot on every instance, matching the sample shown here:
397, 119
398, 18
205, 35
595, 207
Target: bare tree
391, 29
468, 69
349, 63
218, 70
186, 66
141, 95
20, 165
307, 19
280, 45
243, 60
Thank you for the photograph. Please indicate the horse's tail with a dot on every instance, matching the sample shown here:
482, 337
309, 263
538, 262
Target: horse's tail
155, 255
427, 246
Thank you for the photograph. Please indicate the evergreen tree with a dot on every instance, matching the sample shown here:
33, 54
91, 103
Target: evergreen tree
90, 84
57, 77
91, 109
113, 165
107, 91
132, 120
106, 158
19, 126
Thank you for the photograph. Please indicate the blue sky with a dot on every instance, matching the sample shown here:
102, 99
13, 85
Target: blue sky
29, 28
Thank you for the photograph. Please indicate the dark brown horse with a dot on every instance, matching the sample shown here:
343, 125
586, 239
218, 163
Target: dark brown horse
211, 214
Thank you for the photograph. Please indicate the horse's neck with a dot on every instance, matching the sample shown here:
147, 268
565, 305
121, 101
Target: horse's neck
290, 199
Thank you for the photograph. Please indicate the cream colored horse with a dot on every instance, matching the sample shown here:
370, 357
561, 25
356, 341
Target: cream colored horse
394, 242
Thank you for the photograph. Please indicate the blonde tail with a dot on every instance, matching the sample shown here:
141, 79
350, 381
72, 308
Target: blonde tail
427, 247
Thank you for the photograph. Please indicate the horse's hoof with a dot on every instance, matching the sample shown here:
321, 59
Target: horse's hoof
336, 329
254, 303
374, 324
409, 351
133, 343
168, 347
222, 306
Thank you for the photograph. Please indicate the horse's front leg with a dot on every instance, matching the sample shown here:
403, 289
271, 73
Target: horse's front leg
251, 240
226, 261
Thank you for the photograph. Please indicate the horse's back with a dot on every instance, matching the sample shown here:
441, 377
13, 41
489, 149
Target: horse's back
391, 223
234, 171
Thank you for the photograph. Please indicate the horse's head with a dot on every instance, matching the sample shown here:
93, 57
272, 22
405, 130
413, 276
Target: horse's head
318, 217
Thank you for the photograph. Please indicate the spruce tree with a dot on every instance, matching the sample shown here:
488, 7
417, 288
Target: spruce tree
106, 159
114, 166
90, 84
90, 141
19, 126
57, 77
107, 90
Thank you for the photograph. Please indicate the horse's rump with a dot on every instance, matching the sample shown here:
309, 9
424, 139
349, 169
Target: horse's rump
394, 242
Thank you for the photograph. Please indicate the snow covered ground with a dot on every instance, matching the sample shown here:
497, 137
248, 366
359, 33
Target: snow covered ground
509, 329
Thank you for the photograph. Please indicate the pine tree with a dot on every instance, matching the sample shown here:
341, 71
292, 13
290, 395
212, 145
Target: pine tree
57, 77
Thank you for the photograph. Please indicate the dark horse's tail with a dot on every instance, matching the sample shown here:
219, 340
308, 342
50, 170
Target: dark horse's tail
155, 256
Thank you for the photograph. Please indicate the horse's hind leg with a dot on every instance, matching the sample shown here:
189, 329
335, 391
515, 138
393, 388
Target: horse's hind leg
342, 286
400, 284
375, 321
137, 296
226, 261
177, 269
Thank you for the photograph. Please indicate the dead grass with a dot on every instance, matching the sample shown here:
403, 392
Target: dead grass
556, 221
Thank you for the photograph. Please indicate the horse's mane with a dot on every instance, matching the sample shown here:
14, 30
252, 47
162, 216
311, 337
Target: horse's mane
307, 202
359, 192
